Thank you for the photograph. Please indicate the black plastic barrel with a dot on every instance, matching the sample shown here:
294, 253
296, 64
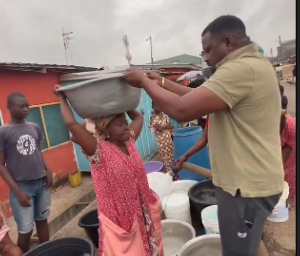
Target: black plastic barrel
68, 246
90, 223
201, 195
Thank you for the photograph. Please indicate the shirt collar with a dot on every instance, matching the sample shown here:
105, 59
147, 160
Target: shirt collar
250, 49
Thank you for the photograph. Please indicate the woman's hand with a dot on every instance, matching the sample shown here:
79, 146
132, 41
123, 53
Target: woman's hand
56, 92
158, 127
135, 78
181, 161
55, 88
49, 179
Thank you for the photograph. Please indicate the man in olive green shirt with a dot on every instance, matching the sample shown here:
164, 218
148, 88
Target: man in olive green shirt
243, 103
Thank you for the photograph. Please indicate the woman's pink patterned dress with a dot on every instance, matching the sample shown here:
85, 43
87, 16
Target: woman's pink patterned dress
128, 224
288, 138
4, 228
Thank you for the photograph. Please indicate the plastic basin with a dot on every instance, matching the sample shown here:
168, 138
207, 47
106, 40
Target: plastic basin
153, 166
69, 246
90, 223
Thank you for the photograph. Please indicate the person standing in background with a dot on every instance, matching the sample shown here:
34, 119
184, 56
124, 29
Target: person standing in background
284, 99
288, 144
294, 74
201, 143
25, 171
161, 126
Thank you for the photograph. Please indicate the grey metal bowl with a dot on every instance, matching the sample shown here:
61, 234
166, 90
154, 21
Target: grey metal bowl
101, 95
175, 234
209, 245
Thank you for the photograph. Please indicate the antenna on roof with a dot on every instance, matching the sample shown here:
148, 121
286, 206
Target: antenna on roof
126, 44
150, 39
66, 40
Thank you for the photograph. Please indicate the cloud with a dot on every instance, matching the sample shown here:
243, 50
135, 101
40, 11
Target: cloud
31, 30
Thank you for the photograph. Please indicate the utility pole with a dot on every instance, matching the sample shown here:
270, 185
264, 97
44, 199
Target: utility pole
128, 55
271, 52
66, 40
150, 38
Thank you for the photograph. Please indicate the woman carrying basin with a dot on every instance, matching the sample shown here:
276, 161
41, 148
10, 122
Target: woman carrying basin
129, 211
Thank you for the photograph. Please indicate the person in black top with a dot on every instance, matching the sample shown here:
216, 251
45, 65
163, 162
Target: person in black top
294, 74
284, 99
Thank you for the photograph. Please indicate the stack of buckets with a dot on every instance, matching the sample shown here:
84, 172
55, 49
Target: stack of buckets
280, 213
209, 216
177, 206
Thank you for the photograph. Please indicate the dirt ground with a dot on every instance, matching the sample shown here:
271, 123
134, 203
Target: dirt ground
280, 238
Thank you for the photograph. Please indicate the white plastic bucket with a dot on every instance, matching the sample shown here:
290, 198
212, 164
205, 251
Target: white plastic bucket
177, 206
184, 184
160, 183
281, 209
206, 245
209, 216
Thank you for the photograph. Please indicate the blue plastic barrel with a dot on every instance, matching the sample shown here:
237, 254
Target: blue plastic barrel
184, 139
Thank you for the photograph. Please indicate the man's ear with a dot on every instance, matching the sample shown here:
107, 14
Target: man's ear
230, 42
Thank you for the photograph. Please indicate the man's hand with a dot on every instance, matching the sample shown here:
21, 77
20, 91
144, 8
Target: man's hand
135, 78
49, 179
24, 199
155, 76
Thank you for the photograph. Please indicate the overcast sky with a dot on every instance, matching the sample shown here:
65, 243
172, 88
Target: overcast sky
31, 29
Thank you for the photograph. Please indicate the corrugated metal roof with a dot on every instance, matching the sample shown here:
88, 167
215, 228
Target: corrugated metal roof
42, 68
181, 59
166, 66
289, 42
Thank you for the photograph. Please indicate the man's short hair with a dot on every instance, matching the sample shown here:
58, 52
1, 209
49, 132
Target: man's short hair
196, 82
226, 24
12, 97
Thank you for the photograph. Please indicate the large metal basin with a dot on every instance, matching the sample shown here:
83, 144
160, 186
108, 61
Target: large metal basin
207, 245
175, 234
100, 94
